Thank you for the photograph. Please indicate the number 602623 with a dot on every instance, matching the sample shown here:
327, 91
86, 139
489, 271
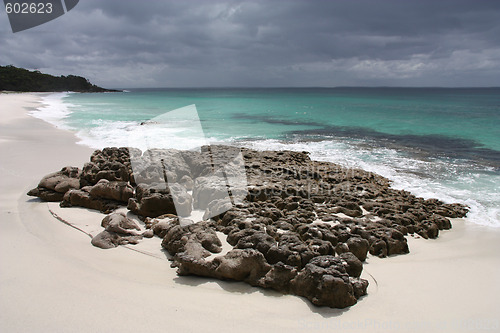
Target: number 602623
28, 8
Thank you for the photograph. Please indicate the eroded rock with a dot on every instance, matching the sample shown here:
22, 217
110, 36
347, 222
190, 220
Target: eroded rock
158, 199
53, 186
118, 230
295, 225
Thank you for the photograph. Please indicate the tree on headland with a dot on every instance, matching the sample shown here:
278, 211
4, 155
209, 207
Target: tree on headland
19, 79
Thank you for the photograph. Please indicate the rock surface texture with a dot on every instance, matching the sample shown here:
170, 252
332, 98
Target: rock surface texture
294, 225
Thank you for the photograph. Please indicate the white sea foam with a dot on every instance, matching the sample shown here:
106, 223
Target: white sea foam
54, 110
106, 133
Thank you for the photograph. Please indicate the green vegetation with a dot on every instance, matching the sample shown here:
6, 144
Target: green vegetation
20, 79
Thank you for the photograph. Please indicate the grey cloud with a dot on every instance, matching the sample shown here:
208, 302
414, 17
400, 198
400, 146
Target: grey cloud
122, 43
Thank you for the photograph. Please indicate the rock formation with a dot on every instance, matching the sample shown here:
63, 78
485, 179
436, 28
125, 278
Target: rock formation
295, 225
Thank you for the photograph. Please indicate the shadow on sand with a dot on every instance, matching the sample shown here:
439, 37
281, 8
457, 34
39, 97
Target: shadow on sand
238, 287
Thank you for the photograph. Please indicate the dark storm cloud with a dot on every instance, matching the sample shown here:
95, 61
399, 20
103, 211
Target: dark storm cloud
266, 43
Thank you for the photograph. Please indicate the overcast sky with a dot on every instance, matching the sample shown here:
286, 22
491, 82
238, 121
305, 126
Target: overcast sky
204, 43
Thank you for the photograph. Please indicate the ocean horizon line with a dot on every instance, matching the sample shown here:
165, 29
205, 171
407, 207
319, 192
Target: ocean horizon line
309, 87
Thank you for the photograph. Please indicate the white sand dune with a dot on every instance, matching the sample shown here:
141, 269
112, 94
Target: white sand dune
53, 280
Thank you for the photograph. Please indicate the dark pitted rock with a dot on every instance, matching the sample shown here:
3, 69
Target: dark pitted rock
396, 242
112, 190
341, 248
194, 264
441, 222
247, 265
158, 199
378, 248
234, 214
290, 250
162, 224
325, 282
178, 238
112, 164
427, 229
307, 231
452, 210
242, 265
53, 186
353, 265
320, 247
251, 239
279, 277
396, 246
348, 208
359, 247
359, 286
279, 215
175, 238
272, 213
45, 194
113, 154
82, 198
112, 171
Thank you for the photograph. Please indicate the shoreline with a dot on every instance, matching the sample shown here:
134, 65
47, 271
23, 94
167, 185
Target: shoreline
448, 179
53, 278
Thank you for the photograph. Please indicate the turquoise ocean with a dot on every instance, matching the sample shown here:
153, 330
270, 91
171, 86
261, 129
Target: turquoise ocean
434, 142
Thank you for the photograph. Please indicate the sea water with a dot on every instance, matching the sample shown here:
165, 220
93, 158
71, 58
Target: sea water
434, 142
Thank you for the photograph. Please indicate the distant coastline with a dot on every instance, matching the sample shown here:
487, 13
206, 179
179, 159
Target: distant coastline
22, 80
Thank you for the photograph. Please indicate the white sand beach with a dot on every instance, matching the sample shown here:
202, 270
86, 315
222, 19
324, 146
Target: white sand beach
53, 280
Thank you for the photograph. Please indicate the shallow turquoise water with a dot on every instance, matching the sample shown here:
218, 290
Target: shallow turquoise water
441, 143
466, 114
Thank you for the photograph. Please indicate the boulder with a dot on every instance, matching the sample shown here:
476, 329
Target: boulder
158, 199
112, 190
325, 282
180, 239
279, 277
46, 194
82, 198
53, 186
359, 247
353, 265
118, 230
109, 239
290, 250
112, 164
119, 223
247, 265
